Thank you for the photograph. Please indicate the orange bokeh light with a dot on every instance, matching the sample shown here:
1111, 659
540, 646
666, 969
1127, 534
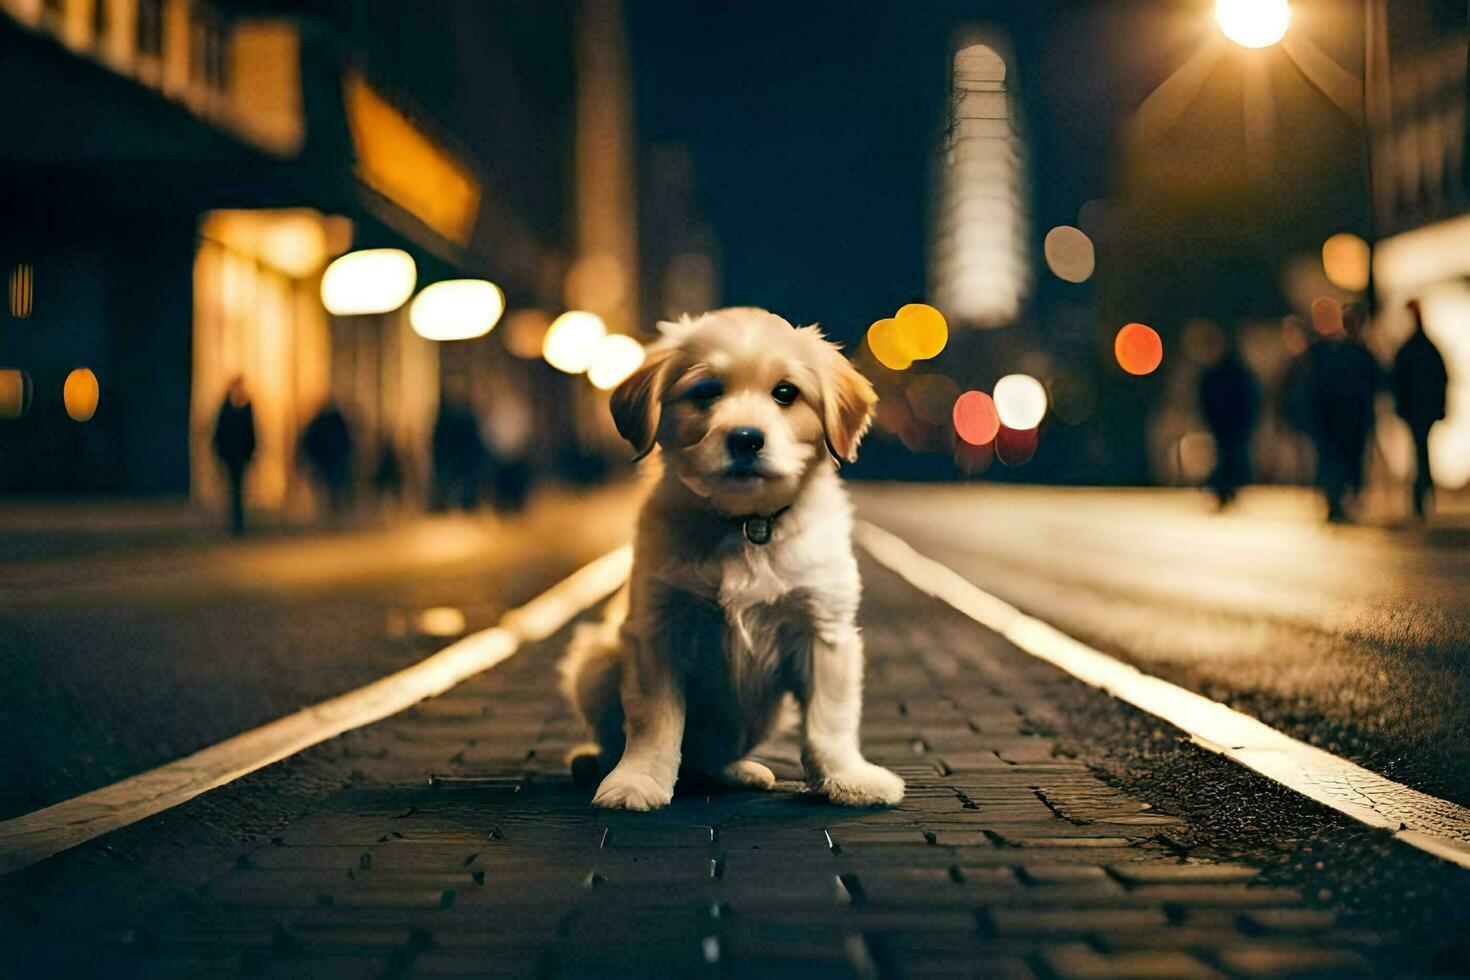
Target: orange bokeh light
975, 419
1138, 349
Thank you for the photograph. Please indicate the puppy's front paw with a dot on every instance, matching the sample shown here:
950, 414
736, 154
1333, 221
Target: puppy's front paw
624, 789
865, 785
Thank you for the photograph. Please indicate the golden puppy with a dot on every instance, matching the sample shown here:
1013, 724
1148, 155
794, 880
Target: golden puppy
744, 586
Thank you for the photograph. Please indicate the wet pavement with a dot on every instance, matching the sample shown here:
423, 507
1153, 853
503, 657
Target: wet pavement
448, 840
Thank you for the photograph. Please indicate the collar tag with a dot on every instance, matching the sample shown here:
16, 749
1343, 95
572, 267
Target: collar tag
757, 529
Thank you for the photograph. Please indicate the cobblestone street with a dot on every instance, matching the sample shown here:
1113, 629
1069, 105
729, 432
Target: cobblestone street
449, 840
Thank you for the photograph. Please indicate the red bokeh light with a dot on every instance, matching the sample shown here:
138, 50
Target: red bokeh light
1016, 446
1138, 349
975, 418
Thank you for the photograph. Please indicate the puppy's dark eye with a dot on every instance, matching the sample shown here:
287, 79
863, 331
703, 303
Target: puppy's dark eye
705, 391
785, 393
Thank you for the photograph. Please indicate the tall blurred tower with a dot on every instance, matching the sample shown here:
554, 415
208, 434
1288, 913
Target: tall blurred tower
604, 277
980, 267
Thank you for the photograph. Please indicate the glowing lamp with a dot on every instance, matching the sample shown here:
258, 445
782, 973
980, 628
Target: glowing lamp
615, 357
456, 309
80, 393
572, 341
1138, 349
1253, 23
373, 280
1020, 401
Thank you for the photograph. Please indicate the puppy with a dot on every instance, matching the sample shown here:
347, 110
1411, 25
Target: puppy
744, 587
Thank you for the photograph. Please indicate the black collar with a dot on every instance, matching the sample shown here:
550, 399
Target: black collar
758, 528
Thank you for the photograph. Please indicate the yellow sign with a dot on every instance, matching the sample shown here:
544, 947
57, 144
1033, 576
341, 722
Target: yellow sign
398, 161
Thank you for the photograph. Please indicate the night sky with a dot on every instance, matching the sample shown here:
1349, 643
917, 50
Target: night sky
814, 128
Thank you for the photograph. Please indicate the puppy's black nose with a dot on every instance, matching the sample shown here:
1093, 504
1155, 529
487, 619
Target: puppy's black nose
745, 442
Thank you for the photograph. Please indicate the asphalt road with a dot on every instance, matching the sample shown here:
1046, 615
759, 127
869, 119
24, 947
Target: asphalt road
143, 656
115, 661
1355, 639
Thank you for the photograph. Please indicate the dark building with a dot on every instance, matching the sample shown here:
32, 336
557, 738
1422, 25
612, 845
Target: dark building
177, 174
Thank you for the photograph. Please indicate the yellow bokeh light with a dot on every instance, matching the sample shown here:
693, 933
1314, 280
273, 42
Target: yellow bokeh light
613, 360
374, 280
917, 332
887, 345
1253, 23
80, 394
572, 341
924, 330
456, 309
1346, 259
1069, 253
1020, 401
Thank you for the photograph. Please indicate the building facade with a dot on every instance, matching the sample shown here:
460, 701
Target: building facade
176, 175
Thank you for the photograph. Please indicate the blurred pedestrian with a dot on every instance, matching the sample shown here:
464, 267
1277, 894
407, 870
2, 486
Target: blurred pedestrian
1345, 379
1230, 400
458, 452
234, 444
1420, 382
388, 475
326, 444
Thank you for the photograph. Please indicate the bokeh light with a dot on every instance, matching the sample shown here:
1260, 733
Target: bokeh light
15, 393
1253, 23
971, 460
80, 394
976, 420
932, 397
615, 357
374, 280
456, 309
924, 330
572, 341
525, 332
1072, 398
917, 332
1138, 348
1020, 401
1346, 259
887, 345
1016, 446
596, 282
1069, 253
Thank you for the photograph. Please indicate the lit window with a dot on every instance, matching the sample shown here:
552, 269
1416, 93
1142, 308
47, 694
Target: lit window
22, 283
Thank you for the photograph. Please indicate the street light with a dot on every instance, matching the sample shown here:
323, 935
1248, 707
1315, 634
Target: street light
1253, 23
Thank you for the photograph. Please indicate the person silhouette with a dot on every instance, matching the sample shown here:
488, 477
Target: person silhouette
1229, 399
234, 445
326, 445
1345, 379
1419, 381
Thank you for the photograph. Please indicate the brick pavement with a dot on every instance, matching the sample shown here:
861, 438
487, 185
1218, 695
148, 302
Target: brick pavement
449, 841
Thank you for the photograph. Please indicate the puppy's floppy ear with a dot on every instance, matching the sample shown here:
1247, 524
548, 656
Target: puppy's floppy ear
847, 403
637, 403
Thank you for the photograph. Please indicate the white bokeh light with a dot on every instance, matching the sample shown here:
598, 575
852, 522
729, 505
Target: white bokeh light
1020, 401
